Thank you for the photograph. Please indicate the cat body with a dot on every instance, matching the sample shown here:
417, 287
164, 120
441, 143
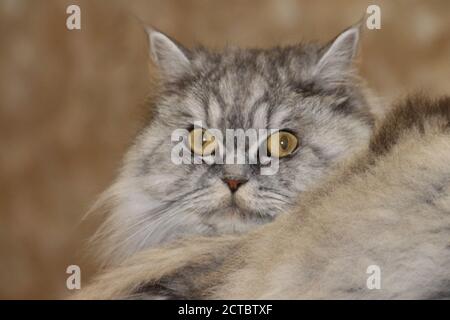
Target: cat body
307, 90
388, 209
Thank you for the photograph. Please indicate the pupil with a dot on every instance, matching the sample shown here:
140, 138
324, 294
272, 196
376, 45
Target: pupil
206, 140
284, 143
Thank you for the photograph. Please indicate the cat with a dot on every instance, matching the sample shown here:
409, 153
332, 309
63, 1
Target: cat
388, 208
309, 92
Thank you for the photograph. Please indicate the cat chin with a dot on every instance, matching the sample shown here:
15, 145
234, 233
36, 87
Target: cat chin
234, 219
233, 224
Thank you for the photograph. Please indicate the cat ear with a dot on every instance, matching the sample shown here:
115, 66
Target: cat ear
338, 55
171, 58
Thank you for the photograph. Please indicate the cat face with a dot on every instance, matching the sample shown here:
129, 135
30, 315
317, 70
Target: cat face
306, 92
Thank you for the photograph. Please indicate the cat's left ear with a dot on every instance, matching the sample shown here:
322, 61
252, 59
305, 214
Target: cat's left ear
337, 57
170, 57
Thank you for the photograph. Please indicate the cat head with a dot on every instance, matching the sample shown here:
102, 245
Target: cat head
307, 94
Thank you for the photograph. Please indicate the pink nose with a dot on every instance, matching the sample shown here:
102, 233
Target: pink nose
234, 184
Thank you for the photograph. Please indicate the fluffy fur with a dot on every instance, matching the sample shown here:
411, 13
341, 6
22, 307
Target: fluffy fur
389, 207
308, 89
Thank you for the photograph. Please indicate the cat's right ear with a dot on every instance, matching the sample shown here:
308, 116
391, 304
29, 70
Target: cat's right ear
335, 64
170, 57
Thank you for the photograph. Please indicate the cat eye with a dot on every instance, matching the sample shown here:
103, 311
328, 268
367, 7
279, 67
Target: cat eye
281, 144
202, 142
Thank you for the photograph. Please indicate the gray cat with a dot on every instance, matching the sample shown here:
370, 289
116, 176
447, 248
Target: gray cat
307, 93
376, 228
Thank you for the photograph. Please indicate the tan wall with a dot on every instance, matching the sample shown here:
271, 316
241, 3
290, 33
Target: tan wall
70, 101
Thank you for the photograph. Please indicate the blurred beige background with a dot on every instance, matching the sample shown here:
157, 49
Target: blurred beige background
71, 101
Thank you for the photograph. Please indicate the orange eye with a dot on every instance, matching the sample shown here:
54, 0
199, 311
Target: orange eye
281, 144
202, 142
